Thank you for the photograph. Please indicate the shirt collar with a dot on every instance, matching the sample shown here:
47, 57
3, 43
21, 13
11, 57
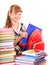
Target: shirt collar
15, 29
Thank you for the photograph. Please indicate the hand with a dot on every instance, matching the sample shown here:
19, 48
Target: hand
24, 34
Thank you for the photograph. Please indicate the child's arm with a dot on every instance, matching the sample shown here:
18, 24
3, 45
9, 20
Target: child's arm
23, 35
17, 39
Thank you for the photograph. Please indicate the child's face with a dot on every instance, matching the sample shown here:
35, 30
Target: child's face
15, 16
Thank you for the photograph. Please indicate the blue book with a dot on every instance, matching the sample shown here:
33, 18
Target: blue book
29, 30
26, 58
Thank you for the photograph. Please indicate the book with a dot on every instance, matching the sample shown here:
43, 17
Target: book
30, 63
6, 30
5, 54
7, 40
9, 63
6, 46
5, 35
27, 58
6, 43
6, 49
3, 38
24, 62
7, 59
32, 52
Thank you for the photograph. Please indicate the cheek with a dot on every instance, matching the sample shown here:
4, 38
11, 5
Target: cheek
17, 17
12, 16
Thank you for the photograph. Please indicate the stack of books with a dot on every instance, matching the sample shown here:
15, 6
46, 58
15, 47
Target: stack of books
25, 60
30, 57
7, 52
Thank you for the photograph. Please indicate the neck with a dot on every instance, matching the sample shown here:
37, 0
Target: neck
15, 25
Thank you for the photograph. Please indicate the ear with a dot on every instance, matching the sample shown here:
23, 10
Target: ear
9, 13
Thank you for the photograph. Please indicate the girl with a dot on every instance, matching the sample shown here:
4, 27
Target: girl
12, 21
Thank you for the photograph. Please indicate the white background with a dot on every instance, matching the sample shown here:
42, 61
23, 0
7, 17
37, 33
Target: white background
34, 11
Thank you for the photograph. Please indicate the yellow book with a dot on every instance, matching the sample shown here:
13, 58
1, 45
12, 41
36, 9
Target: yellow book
9, 35
7, 54
3, 38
